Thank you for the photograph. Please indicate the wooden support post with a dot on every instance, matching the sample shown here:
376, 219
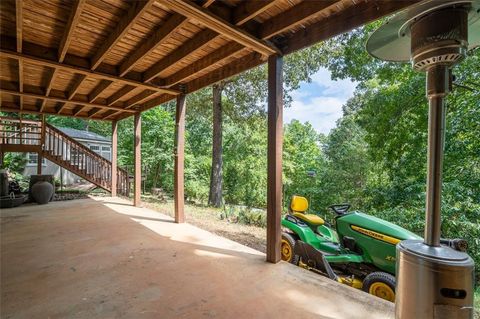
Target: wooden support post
138, 160
114, 158
274, 161
42, 142
179, 159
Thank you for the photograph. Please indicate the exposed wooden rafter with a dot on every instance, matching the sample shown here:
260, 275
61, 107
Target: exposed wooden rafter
119, 94
32, 109
350, 18
247, 10
103, 85
70, 27
160, 34
19, 35
63, 100
49, 87
219, 25
202, 39
132, 16
80, 70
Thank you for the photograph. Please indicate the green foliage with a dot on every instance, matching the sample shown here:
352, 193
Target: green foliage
244, 215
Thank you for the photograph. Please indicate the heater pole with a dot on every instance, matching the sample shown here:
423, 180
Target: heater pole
438, 82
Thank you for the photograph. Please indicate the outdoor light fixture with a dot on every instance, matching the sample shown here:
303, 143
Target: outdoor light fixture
433, 281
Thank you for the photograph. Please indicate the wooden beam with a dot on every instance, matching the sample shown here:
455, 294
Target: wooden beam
179, 192
19, 34
19, 23
72, 22
110, 114
197, 42
137, 9
102, 86
114, 158
33, 109
295, 16
63, 100
219, 25
274, 160
76, 85
60, 108
200, 65
137, 159
51, 79
94, 112
78, 110
139, 98
189, 47
161, 33
247, 10
344, 21
80, 70
119, 94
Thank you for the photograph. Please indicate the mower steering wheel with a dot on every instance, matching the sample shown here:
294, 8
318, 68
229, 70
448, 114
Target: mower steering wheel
340, 209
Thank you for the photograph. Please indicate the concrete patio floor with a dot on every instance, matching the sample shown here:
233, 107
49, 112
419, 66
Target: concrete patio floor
102, 258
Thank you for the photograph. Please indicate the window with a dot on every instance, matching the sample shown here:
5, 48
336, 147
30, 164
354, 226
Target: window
105, 148
32, 159
95, 148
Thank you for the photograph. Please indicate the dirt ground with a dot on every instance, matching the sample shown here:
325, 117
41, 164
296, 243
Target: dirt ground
208, 218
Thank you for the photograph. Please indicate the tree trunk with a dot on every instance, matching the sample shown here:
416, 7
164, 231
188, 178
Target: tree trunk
215, 196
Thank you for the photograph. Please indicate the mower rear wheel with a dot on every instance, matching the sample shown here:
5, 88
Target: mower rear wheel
287, 248
380, 284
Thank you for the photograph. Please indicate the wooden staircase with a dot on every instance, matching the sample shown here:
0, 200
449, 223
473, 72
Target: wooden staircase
17, 135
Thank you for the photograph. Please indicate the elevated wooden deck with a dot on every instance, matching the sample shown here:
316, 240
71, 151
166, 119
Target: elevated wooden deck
103, 258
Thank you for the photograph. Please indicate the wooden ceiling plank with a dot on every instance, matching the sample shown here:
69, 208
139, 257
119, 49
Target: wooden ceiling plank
93, 112
110, 115
102, 86
61, 99
137, 9
76, 86
19, 23
78, 110
119, 94
139, 98
69, 29
161, 33
51, 79
215, 57
11, 107
293, 17
201, 39
80, 70
345, 21
247, 10
219, 25
60, 108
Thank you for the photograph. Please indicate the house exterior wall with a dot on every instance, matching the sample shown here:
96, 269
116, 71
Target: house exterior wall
50, 168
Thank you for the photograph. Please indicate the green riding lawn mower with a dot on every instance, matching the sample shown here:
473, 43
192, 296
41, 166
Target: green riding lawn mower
358, 250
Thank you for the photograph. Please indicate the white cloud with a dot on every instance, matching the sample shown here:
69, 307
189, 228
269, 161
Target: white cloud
320, 102
321, 112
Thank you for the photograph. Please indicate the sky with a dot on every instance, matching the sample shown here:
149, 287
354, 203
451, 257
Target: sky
320, 101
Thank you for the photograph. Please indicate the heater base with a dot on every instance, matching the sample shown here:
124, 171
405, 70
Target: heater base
433, 282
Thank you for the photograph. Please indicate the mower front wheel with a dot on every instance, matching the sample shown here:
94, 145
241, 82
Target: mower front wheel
287, 249
380, 284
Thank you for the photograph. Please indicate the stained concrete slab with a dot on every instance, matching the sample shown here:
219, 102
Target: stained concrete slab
103, 258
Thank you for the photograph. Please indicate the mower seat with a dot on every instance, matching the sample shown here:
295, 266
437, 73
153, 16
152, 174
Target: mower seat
310, 219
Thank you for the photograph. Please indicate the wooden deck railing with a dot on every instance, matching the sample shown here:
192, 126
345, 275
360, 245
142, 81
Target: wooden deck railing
64, 151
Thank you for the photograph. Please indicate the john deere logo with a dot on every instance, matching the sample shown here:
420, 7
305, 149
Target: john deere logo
374, 234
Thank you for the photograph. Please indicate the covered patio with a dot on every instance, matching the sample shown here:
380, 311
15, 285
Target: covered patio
103, 258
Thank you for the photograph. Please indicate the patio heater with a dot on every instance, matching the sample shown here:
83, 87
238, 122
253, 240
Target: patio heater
433, 281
